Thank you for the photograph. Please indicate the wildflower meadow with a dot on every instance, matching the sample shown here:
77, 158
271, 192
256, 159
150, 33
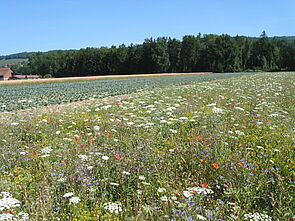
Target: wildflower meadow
214, 150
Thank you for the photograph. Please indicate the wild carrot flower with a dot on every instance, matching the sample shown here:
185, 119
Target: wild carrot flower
74, 200
96, 128
68, 194
105, 158
113, 207
161, 190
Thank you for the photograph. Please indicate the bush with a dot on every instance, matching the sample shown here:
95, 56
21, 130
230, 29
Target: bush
47, 76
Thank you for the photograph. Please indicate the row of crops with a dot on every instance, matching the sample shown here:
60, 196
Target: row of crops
36, 95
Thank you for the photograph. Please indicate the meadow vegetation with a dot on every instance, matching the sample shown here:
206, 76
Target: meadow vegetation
218, 150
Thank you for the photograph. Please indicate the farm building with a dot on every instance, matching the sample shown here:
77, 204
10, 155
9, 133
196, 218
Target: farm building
19, 76
8, 74
5, 73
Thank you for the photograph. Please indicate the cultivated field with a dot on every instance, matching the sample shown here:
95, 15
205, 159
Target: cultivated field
185, 149
92, 78
15, 97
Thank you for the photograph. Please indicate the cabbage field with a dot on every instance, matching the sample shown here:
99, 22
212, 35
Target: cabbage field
210, 147
36, 95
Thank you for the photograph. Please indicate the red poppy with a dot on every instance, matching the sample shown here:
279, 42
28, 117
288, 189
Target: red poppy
202, 160
241, 164
204, 185
215, 165
118, 157
200, 138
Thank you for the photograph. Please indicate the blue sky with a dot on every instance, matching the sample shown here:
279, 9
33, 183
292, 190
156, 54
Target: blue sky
42, 25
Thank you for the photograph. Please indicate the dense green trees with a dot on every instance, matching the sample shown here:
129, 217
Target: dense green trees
216, 53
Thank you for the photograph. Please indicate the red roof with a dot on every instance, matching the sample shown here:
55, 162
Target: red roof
25, 76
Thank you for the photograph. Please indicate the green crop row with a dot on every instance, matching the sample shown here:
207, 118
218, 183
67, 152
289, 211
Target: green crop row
36, 95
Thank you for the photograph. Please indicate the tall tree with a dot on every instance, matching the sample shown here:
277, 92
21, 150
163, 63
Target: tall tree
190, 53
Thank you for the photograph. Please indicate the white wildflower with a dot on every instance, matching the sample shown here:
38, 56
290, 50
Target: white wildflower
23, 216
6, 217
200, 217
240, 132
174, 198
115, 184
141, 177
239, 108
105, 157
173, 131
187, 194
68, 194
161, 190
8, 202
46, 150
257, 217
164, 198
74, 199
199, 190
83, 157
113, 207
217, 110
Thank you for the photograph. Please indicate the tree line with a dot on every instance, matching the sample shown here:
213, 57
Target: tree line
201, 53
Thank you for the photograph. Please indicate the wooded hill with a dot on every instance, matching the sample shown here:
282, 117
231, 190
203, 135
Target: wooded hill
216, 53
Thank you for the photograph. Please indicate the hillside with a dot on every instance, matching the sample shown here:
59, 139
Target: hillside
14, 61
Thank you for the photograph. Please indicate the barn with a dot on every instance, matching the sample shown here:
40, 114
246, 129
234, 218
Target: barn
5, 73
8, 74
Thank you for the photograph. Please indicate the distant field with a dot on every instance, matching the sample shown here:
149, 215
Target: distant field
15, 97
12, 61
91, 78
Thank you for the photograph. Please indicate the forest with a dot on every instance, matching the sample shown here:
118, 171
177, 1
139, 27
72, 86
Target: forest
201, 53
